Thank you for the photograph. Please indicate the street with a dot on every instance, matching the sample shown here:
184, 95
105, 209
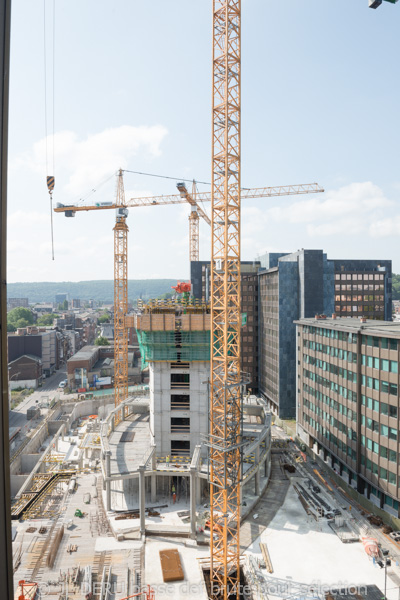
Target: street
17, 416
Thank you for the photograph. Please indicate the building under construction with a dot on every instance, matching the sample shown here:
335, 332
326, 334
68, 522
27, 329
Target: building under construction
167, 431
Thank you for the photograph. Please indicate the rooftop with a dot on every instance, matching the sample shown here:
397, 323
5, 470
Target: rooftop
368, 326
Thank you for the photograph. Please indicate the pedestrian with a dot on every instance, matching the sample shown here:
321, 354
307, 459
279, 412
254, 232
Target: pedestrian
173, 497
167, 460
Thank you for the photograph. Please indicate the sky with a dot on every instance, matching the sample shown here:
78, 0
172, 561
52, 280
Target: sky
129, 86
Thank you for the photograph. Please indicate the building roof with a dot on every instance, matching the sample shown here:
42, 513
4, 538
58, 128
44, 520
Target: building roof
84, 353
30, 356
368, 326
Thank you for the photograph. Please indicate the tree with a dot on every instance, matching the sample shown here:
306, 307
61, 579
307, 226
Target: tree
11, 328
21, 323
46, 319
16, 314
102, 341
104, 318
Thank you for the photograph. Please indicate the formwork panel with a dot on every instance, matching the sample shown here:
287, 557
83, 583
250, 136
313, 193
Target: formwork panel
171, 565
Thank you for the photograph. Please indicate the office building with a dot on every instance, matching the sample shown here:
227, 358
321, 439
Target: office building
348, 402
301, 285
200, 279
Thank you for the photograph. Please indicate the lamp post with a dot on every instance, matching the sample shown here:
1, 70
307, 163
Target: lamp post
385, 563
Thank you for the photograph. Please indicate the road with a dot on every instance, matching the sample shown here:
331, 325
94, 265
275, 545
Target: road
17, 416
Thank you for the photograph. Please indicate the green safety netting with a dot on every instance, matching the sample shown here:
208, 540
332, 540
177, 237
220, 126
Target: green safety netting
172, 346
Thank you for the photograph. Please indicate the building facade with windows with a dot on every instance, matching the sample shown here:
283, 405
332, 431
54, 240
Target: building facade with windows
301, 285
363, 288
348, 402
200, 279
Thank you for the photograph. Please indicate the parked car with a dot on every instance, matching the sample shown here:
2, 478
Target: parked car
63, 384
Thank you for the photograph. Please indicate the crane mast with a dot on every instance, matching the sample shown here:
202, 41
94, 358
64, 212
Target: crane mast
120, 298
225, 378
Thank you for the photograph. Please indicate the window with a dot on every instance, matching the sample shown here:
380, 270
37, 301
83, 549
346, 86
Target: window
392, 433
393, 455
383, 452
385, 365
383, 473
393, 344
393, 389
180, 402
180, 380
394, 366
179, 447
393, 411
180, 425
384, 430
392, 477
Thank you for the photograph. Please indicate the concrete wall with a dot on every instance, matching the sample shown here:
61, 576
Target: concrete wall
17, 481
160, 405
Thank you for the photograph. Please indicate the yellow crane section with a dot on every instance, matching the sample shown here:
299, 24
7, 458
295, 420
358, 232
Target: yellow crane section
193, 199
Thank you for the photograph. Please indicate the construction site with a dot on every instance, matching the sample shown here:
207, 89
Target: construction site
188, 489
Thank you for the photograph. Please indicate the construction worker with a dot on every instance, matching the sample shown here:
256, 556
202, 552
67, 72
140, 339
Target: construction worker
167, 460
173, 490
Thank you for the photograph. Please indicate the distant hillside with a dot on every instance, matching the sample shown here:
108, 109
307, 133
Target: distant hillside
101, 291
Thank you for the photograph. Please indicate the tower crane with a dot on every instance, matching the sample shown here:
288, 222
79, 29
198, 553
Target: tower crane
121, 252
193, 198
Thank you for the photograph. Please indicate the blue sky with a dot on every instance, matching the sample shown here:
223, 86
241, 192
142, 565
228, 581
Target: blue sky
132, 89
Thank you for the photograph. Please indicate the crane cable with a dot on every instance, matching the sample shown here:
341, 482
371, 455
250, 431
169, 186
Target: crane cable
49, 178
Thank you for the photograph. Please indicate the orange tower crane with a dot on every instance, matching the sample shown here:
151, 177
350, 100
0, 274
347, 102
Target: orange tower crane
121, 251
225, 380
120, 298
196, 210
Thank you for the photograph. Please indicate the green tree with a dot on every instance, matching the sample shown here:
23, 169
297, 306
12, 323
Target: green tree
102, 341
21, 323
46, 319
19, 313
396, 287
104, 318
11, 328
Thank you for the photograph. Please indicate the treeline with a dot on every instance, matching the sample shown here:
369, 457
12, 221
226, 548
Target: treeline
101, 291
396, 287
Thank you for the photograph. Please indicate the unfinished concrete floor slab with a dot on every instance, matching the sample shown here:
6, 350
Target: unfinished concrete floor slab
192, 586
306, 551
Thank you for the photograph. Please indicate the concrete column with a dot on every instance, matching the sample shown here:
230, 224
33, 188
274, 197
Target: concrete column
142, 499
153, 488
108, 482
153, 477
113, 423
257, 475
193, 494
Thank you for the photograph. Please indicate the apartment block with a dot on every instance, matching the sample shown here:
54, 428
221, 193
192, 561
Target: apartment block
348, 402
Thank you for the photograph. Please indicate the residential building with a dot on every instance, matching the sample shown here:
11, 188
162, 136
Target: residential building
36, 341
200, 279
300, 285
16, 303
76, 303
348, 402
25, 371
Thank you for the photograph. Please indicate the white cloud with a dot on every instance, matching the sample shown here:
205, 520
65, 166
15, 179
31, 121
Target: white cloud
85, 162
349, 209
386, 227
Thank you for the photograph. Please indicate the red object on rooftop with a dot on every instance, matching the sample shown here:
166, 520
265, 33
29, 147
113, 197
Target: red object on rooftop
182, 287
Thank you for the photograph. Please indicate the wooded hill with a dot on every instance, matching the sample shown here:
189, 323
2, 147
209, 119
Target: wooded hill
101, 291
